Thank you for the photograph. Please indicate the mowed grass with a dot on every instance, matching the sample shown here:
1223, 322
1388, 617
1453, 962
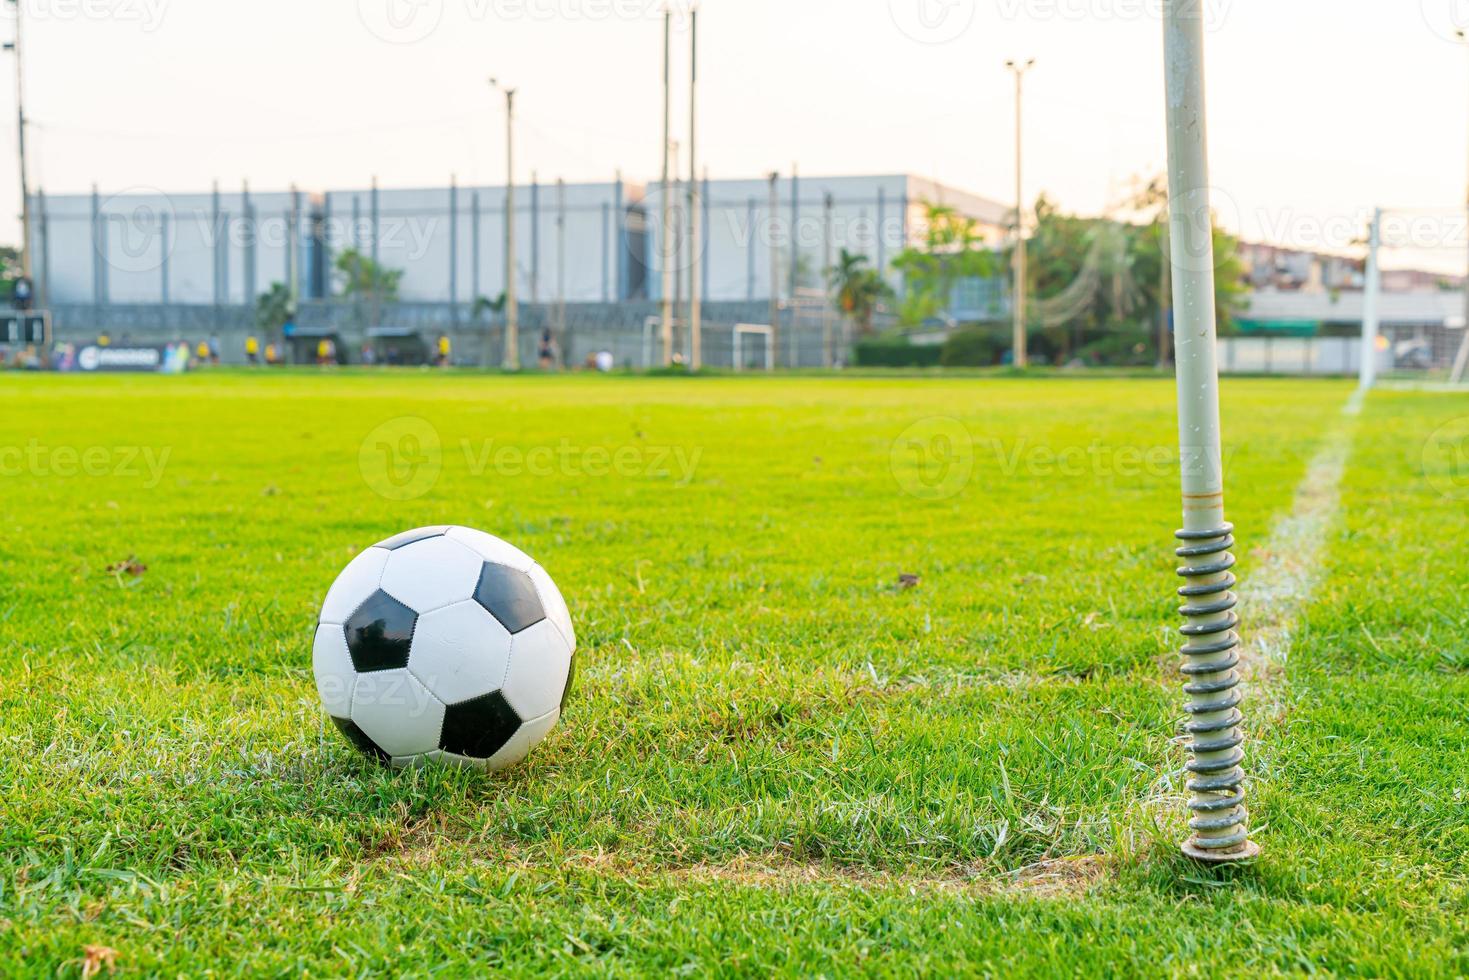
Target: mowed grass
777, 758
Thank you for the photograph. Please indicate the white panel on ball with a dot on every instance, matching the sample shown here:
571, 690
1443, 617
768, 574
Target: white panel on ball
431, 574
358, 581
540, 660
554, 604
397, 712
491, 548
460, 652
528, 737
331, 663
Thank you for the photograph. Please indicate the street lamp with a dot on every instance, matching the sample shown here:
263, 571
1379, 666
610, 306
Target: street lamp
511, 360
1019, 356
13, 46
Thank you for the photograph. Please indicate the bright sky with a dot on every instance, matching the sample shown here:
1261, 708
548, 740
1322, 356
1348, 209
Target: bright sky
1319, 109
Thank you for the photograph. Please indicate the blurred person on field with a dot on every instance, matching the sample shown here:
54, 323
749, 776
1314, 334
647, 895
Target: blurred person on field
444, 350
213, 350
252, 350
547, 351
201, 353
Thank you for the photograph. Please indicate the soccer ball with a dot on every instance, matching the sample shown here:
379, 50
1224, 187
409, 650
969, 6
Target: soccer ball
444, 644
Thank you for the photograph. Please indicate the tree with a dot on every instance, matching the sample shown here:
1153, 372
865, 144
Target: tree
273, 309
1100, 285
9, 271
953, 249
358, 276
483, 305
857, 290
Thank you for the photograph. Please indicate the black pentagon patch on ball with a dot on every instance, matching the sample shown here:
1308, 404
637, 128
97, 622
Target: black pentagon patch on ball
479, 728
510, 596
409, 537
570, 676
380, 633
359, 738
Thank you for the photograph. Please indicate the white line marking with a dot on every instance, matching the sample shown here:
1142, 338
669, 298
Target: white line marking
1285, 571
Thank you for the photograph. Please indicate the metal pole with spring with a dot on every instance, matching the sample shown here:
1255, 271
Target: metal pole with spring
1211, 649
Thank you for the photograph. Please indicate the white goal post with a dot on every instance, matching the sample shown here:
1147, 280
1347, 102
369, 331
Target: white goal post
741, 331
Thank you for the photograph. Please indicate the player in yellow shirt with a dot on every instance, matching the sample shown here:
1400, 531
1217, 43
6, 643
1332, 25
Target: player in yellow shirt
444, 350
252, 350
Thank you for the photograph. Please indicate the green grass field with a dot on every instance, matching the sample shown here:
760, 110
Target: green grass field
776, 759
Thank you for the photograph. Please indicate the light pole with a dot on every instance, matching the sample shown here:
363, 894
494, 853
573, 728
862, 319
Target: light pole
666, 311
696, 353
13, 46
1019, 355
774, 269
511, 360
1462, 358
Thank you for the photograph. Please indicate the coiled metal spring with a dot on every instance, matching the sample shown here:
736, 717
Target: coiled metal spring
1211, 654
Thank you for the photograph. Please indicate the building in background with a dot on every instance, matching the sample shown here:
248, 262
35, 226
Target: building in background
582, 243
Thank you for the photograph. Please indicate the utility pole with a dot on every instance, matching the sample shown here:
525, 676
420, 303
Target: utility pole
562, 340
20, 116
826, 347
774, 268
1219, 825
695, 231
676, 222
511, 361
1460, 361
666, 312
1019, 355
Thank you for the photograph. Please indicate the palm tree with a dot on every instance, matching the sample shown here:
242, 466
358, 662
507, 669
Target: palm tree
857, 290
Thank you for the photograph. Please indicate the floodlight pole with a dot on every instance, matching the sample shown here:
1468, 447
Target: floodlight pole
20, 144
666, 311
1019, 355
511, 361
1211, 649
696, 352
1371, 304
774, 266
829, 203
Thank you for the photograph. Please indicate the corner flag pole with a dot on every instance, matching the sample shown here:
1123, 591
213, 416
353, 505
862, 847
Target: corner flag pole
1211, 649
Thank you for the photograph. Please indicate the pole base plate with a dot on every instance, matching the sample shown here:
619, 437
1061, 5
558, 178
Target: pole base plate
1247, 851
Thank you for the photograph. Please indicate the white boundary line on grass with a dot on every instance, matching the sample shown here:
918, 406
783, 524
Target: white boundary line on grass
1275, 586
1289, 567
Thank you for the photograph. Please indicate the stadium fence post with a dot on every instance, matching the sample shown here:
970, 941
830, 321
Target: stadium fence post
1211, 649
